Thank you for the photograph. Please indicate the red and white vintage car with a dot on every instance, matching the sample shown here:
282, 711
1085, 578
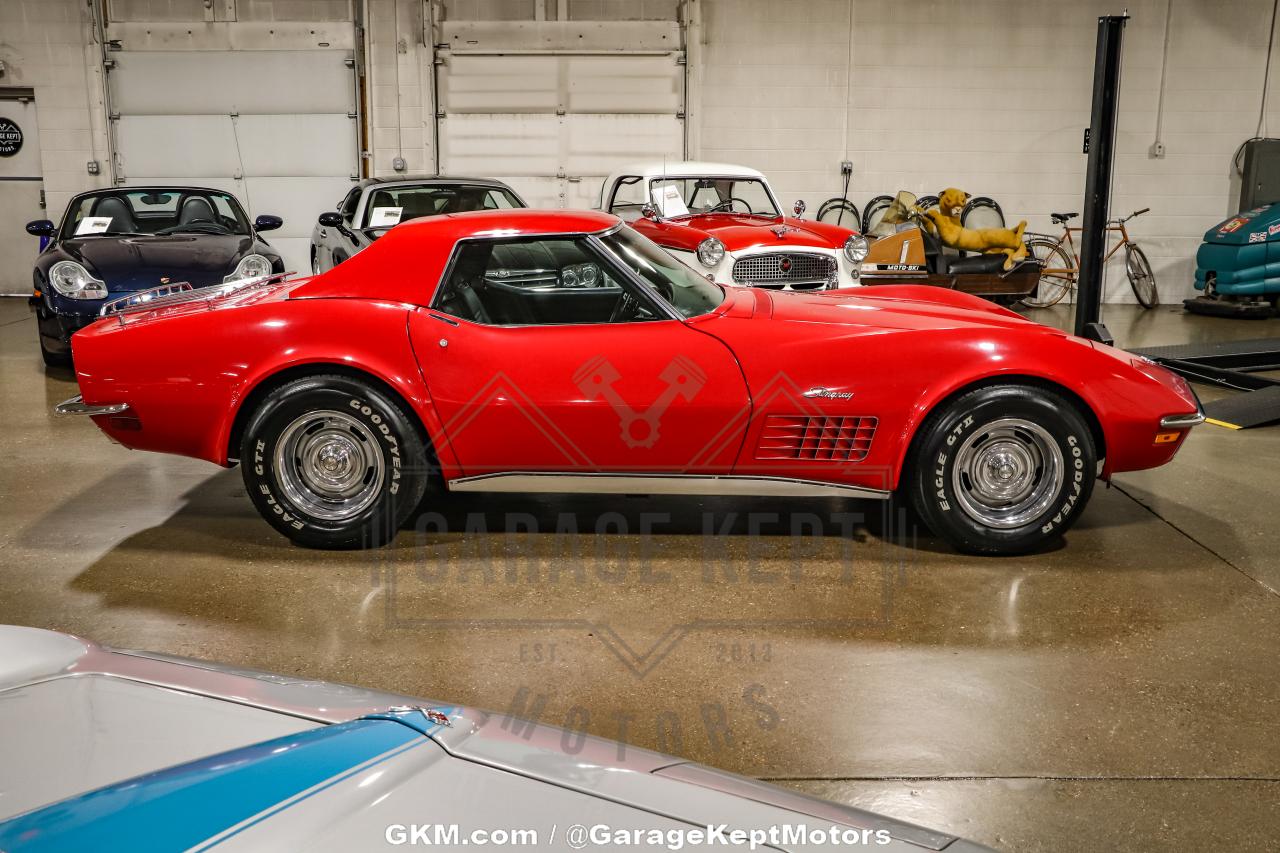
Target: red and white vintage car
725, 221
537, 351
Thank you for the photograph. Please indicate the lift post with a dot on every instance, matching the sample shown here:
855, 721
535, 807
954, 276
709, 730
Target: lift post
1099, 144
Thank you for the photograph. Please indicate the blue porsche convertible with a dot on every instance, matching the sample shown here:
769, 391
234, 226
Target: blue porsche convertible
116, 241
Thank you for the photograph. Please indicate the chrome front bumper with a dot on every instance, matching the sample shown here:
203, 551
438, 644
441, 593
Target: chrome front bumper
77, 406
1182, 421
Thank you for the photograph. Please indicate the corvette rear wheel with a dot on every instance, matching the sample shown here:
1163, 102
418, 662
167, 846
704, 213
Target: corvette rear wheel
331, 462
1003, 469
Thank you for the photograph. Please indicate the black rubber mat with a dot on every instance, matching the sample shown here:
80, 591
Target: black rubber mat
1254, 354
1242, 411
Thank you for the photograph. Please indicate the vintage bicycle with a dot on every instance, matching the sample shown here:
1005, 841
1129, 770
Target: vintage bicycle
1061, 262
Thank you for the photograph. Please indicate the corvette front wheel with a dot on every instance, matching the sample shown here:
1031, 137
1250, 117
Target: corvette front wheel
1003, 469
332, 462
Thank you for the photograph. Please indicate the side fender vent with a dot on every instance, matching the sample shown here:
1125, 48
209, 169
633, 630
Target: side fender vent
820, 439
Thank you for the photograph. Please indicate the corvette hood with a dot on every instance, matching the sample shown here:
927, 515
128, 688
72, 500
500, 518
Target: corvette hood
888, 308
739, 231
136, 263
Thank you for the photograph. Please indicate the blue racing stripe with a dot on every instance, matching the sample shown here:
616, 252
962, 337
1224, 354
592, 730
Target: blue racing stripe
179, 807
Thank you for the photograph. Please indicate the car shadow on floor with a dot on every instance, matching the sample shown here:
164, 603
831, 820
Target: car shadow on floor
643, 565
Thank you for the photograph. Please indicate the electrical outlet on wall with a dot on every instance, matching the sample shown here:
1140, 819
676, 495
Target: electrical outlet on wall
846, 167
1156, 151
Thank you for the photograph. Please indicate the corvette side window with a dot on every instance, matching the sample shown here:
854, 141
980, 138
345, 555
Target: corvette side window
541, 282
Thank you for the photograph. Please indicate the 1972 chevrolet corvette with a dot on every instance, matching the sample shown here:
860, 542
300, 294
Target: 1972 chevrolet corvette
531, 351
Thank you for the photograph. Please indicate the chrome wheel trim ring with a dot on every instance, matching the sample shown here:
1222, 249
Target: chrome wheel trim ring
1008, 473
329, 465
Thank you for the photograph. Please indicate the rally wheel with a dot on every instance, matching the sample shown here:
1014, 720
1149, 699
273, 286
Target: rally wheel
332, 462
1002, 469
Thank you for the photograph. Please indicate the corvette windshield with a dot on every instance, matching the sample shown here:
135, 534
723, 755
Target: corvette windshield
687, 291
158, 211
684, 196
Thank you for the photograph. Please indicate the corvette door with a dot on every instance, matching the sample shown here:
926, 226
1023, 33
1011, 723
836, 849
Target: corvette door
535, 362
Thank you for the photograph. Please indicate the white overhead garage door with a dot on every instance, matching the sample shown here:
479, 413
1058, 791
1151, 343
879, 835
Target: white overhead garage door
275, 127
553, 107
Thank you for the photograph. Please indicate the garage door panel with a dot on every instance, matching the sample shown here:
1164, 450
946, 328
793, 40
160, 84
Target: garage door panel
484, 145
597, 144
296, 145
500, 84
298, 200
209, 82
623, 84
195, 147
536, 191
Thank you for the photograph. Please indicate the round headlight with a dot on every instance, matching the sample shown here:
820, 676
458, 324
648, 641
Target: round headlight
250, 266
856, 248
710, 252
74, 282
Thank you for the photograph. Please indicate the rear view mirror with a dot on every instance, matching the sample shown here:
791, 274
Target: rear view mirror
41, 228
267, 222
799, 208
649, 211
331, 219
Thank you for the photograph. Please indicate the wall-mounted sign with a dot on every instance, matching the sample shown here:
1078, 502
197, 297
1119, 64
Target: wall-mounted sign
10, 137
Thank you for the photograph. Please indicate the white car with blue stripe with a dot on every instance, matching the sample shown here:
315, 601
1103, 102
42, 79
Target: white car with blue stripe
119, 750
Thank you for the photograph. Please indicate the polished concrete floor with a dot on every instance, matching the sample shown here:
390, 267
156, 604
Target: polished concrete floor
1121, 692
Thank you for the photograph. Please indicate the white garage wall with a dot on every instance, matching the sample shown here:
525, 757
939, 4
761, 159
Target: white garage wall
48, 45
991, 96
988, 95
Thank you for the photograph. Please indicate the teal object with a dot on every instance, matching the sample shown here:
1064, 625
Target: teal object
1241, 255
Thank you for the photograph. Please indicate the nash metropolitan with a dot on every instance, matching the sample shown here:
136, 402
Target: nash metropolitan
125, 750
127, 239
725, 221
540, 351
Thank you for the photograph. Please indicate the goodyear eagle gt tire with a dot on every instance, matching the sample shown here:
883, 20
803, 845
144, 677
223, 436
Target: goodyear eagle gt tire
1003, 469
331, 462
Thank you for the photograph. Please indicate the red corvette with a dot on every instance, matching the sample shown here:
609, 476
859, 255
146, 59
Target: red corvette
537, 351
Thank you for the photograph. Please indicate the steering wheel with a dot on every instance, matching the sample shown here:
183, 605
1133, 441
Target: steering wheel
727, 204
626, 308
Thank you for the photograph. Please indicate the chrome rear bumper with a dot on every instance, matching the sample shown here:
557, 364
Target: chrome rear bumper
77, 406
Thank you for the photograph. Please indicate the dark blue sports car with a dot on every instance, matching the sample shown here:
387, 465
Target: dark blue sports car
113, 242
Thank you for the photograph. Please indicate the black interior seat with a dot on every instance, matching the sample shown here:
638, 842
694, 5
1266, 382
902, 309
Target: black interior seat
990, 263
196, 209
1062, 218
119, 211
416, 206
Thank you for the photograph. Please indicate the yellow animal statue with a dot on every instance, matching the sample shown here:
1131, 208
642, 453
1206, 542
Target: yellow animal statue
946, 220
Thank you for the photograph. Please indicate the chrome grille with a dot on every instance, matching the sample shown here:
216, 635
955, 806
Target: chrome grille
818, 438
778, 269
